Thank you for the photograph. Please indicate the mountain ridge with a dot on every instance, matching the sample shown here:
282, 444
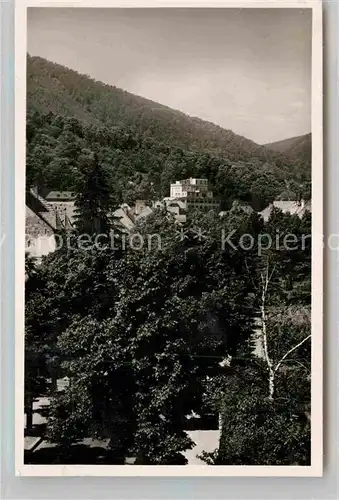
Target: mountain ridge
45, 76
142, 143
293, 147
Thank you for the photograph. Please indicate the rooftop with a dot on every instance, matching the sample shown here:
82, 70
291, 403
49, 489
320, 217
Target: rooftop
292, 207
60, 195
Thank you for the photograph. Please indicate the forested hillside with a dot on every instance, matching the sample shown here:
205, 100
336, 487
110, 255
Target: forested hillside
208, 326
299, 148
143, 144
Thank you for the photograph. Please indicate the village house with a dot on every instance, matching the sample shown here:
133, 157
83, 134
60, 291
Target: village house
194, 193
55, 210
289, 206
44, 218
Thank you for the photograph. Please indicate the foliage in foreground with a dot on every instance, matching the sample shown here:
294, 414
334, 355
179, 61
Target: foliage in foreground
141, 334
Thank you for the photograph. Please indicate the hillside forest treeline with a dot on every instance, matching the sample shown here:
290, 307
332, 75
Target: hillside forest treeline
149, 337
145, 146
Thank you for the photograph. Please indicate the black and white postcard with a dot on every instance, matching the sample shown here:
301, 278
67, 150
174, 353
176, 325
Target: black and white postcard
168, 239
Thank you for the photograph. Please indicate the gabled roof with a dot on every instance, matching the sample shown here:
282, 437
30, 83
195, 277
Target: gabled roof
35, 202
60, 196
287, 206
245, 207
144, 213
176, 202
55, 214
266, 212
123, 218
63, 208
35, 226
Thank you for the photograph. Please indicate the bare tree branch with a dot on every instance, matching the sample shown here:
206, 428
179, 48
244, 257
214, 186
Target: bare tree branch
290, 351
266, 277
297, 362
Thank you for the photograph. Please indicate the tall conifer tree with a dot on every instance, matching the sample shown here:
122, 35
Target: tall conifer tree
94, 201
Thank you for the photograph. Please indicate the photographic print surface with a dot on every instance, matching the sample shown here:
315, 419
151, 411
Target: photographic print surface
168, 249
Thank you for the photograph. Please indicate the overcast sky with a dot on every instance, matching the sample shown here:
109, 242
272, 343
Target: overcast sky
248, 70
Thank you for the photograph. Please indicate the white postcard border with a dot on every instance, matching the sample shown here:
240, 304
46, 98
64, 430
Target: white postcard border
316, 467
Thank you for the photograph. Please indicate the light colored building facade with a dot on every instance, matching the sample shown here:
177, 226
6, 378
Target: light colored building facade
40, 239
182, 189
292, 207
43, 220
195, 194
46, 215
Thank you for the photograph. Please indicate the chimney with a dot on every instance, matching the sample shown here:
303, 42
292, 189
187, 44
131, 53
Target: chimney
58, 223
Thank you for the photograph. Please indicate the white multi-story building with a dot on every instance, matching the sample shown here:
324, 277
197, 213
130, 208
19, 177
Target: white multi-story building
194, 193
181, 189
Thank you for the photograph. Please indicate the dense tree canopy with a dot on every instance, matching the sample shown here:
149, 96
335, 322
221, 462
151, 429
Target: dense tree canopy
154, 324
141, 331
265, 401
172, 318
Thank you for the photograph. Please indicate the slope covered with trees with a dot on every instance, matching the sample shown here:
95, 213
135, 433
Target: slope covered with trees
141, 327
143, 145
52, 87
298, 148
